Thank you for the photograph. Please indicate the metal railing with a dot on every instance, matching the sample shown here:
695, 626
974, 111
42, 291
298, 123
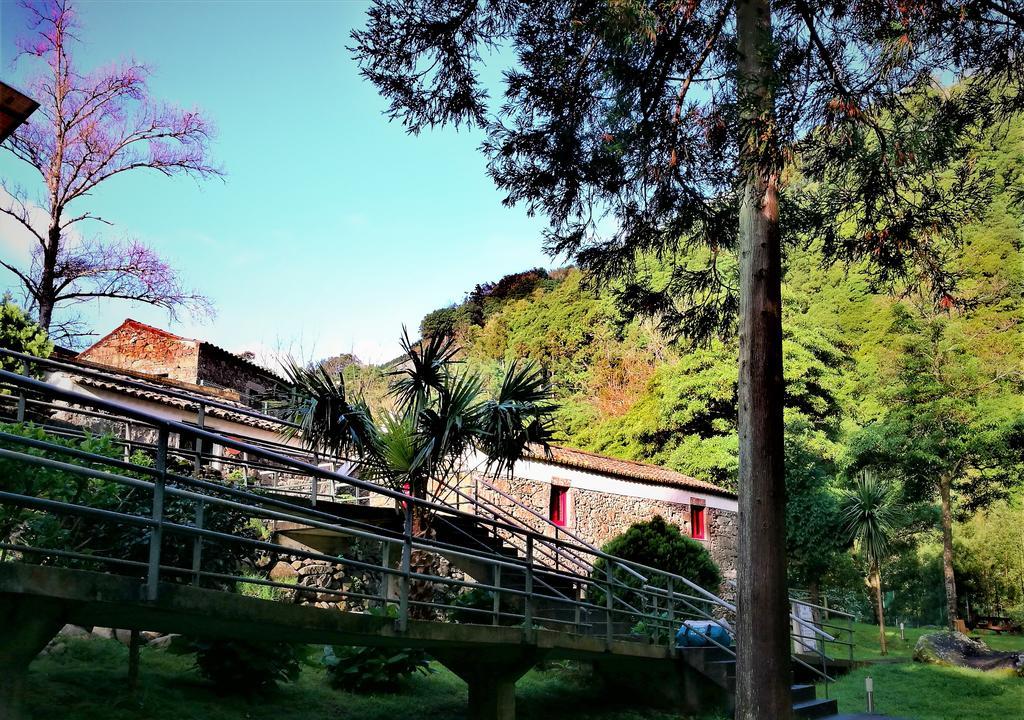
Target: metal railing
555, 582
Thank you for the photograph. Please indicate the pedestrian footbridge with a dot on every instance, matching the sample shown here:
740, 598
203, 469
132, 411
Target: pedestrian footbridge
142, 531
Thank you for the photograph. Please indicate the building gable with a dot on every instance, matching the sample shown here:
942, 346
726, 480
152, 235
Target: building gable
145, 349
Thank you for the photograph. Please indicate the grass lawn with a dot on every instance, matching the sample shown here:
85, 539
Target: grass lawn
865, 638
929, 692
87, 682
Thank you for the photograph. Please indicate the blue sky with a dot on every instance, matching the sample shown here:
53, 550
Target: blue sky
333, 226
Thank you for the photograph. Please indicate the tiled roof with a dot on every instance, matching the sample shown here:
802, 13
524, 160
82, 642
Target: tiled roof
626, 469
111, 384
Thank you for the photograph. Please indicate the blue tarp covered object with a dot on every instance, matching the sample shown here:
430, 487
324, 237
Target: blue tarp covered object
696, 633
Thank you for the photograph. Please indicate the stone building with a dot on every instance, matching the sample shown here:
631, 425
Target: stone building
581, 496
157, 353
594, 498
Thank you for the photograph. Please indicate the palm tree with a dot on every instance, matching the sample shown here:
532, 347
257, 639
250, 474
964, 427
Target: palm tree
443, 416
871, 517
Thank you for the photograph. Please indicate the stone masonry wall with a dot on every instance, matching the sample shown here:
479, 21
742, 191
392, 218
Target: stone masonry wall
597, 517
145, 350
221, 368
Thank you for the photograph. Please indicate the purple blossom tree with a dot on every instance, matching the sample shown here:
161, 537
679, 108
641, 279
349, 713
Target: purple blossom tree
89, 128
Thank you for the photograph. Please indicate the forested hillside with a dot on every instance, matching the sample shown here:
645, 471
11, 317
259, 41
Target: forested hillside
872, 372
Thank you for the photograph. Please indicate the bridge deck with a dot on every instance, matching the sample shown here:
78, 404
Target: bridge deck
92, 598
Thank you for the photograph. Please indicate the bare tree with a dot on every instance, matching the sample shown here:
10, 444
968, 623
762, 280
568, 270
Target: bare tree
91, 127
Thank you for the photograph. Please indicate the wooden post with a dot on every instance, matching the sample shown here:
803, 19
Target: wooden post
133, 660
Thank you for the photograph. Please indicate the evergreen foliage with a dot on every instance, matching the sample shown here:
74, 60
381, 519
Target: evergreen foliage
658, 544
20, 333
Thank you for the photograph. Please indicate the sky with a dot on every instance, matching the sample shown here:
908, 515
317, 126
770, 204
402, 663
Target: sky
332, 227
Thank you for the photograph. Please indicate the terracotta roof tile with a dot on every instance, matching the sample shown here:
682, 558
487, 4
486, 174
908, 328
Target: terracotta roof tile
627, 469
154, 395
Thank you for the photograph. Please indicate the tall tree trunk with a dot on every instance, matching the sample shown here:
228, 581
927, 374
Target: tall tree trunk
948, 577
423, 562
45, 292
763, 671
876, 584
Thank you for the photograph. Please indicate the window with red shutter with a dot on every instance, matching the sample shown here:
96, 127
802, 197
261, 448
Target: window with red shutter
698, 527
558, 509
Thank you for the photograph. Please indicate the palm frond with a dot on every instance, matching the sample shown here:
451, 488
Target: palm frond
871, 514
518, 417
396, 458
425, 371
327, 420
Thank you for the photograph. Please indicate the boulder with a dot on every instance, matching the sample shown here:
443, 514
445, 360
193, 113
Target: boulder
103, 632
73, 631
956, 649
165, 642
282, 571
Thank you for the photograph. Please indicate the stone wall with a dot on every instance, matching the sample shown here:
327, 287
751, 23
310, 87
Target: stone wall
143, 349
316, 579
226, 370
597, 517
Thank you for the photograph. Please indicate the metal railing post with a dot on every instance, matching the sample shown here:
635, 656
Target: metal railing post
201, 422
657, 618
849, 622
530, 600
581, 596
608, 603
671, 616
22, 396
197, 543
403, 597
156, 533
496, 610
385, 561
314, 485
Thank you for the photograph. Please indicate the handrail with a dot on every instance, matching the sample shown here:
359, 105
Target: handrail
226, 441
142, 385
575, 550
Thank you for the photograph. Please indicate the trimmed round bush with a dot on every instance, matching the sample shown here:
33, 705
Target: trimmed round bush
661, 545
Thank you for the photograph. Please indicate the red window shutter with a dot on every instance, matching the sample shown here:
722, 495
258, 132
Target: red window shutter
558, 506
697, 522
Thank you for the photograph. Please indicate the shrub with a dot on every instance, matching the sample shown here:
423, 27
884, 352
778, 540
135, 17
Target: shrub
246, 668
126, 542
373, 669
20, 333
475, 607
660, 545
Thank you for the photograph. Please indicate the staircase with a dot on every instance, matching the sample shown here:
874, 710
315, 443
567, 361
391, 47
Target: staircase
500, 542
719, 668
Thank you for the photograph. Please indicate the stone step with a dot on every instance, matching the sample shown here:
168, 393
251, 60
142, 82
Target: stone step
800, 693
819, 708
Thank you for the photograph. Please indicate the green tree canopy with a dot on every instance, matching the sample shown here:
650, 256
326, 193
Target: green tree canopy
20, 333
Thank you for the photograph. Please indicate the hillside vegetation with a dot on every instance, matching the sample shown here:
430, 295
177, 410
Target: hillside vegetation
863, 363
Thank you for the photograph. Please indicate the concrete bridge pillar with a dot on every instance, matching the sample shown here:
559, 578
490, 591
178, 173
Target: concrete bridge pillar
491, 676
27, 624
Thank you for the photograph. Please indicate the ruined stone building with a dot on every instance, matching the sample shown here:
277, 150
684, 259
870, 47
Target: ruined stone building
156, 353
